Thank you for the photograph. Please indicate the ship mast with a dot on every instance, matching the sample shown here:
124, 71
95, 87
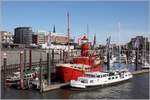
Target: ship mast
119, 43
68, 38
88, 31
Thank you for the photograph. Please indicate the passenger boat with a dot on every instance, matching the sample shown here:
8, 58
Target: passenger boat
100, 79
81, 64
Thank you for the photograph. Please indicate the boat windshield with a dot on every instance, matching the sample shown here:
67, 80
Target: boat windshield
84, 81
89, 75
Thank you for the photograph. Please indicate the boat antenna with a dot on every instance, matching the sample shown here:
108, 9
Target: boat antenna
68, 37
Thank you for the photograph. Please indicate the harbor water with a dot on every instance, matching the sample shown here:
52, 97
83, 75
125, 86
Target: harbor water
136, 88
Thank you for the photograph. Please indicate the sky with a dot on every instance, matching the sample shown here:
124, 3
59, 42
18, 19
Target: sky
102, 18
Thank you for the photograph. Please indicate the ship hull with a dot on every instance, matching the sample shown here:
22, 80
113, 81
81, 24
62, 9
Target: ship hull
65, 74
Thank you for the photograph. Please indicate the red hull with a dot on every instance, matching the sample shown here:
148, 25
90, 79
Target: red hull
66, 74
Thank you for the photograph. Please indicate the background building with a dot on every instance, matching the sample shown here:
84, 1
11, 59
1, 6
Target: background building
34, 38
6, 37
57, 38
23, 35
142, 43
40, 37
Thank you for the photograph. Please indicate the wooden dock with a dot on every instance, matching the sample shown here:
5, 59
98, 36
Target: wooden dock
54, 86
141, 71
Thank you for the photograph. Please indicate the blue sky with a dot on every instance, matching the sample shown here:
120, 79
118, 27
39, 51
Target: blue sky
102, 17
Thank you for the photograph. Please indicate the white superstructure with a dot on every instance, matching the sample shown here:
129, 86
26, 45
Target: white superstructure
100, 78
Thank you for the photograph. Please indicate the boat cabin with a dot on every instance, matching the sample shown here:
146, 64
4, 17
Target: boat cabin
96, 74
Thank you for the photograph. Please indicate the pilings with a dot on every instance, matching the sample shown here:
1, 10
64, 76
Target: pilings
60, 54
5, 74
48, 67
21, 70
30, 58
5, 65
24, 58
64, 56
40, 78
136, 60
52, 60
108, 61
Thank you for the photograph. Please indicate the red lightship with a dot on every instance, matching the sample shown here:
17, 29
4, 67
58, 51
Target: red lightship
81, 64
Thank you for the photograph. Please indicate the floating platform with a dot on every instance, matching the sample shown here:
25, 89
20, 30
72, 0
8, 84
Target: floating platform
54, 86
141, 71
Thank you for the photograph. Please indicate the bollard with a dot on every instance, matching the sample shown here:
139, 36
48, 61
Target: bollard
30, 59
21, 70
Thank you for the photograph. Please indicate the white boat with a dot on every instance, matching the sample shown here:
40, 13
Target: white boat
100, 78
15, 78
145, 65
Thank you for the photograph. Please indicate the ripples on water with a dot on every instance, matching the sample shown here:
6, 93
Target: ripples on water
136, 88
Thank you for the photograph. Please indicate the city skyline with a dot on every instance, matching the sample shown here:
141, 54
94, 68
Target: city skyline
102, 18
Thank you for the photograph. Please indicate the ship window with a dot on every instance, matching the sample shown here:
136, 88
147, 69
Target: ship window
84, 81
109, 78
116, 77
98, 75
91, 81
112, 77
